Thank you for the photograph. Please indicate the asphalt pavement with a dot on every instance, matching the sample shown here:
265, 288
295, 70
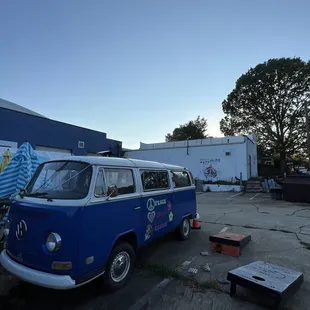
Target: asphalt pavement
280, 235
15, 295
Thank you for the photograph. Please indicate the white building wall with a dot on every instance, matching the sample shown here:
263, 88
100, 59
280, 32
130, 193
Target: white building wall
208, 159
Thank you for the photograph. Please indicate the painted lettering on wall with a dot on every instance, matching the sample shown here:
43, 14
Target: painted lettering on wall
208, 169
210, 161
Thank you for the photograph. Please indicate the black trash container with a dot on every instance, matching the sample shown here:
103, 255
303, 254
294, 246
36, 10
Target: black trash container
276, 193
296, 188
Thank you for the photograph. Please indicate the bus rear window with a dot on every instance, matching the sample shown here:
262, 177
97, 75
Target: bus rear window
181, 179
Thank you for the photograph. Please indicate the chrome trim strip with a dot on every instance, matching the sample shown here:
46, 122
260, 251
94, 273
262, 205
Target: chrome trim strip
96, 201
183, 189
142, 195
157, 193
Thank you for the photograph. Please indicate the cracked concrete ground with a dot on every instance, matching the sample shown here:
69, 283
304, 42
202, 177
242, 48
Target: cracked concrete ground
280, 235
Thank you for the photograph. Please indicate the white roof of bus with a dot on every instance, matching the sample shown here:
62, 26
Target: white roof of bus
122, 162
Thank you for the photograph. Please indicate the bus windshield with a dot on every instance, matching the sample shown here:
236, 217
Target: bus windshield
60, 180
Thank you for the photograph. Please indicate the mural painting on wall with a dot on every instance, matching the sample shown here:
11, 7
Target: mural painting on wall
209, 168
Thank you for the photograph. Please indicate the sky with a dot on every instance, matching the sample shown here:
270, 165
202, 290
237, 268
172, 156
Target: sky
136, 69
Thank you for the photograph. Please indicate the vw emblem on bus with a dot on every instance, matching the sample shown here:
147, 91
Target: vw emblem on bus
21, 230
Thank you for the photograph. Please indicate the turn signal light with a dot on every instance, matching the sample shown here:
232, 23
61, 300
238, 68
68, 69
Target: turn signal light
62, 265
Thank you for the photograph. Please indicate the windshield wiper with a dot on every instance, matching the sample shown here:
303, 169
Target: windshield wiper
36, 194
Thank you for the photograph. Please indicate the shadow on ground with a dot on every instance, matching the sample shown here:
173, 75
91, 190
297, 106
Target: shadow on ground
17, 295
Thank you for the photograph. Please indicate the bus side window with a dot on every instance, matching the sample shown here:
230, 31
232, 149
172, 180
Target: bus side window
181, 179
100, 186
122, 178
155, 180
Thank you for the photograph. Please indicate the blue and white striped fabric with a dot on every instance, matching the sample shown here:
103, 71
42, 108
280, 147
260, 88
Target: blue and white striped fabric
17, 173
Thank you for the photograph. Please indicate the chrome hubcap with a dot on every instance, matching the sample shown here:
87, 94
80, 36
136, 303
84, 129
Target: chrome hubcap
185, 227
120, 266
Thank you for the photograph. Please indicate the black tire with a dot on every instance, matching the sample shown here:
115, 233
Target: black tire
184, 229
109, 282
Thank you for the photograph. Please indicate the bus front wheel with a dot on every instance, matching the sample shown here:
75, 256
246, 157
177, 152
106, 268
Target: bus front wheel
119, 267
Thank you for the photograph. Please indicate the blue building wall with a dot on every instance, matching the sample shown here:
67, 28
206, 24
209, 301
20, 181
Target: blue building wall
20, 127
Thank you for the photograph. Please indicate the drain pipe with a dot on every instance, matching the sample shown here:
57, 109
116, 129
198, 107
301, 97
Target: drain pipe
247, 154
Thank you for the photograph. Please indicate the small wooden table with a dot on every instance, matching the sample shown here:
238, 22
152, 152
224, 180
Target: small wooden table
265, 278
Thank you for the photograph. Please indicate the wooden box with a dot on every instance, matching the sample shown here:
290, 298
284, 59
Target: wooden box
229, 243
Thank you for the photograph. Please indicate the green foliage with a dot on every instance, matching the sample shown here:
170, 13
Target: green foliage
269, 100
268, 171
166, 271
190, 131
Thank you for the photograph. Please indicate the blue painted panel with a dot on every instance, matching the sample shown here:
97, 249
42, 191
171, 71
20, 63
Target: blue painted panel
185, 202
168, 212
40, 221
20, 127
101, 226
93, 230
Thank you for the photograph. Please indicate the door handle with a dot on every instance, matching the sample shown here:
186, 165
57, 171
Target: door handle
137, 208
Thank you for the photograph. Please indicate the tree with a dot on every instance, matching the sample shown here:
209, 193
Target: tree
190, 131
269, 100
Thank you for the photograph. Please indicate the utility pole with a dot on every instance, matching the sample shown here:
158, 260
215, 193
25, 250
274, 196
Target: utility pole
308, 131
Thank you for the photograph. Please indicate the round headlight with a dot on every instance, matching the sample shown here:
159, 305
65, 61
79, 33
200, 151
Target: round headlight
6, 228
53, 242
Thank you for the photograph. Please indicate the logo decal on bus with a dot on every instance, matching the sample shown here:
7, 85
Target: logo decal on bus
171, 216
21, 230
149, 232
151, 216
152, 203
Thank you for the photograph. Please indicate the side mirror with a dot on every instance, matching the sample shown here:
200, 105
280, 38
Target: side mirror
112, 191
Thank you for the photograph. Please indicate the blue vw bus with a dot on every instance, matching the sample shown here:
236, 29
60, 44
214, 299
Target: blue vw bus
84, 217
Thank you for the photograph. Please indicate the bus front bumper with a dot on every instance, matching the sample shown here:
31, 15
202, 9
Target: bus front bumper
36, 277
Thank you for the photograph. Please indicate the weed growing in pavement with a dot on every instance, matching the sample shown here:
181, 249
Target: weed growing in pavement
163, 270
172, 273
305, 245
